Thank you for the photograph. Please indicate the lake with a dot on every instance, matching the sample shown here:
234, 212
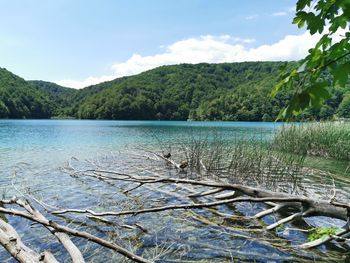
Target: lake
49, 143
32, 153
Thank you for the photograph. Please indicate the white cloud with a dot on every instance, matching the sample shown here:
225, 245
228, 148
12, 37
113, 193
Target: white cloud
244, 40
292, 47
210, 49
79, 84
280, 13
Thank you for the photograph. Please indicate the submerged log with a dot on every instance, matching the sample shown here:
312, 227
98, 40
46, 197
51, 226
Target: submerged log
61, 232
308, 206
233, 193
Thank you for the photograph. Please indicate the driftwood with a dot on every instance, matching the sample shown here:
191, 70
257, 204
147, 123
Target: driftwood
35, 216
310, 207
12, 242
233, 193
72, 250
202, 194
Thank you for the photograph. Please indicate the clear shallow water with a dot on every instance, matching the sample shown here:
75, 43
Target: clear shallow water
51, 142
36, 149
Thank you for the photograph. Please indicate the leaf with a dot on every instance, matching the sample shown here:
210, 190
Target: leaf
325, 41
301, 24
301, 4
303, 101
327, 63
341, 74
296, 20
346, 9
314, 23
339, 21
282, 114
302, 67
283, 83
318, 93
276, 89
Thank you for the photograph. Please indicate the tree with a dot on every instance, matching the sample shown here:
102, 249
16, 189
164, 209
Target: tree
344, 107
327, 64
4, 111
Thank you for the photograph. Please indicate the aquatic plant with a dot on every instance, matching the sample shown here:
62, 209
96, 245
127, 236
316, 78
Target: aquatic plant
324, 139
250, 159
322, 233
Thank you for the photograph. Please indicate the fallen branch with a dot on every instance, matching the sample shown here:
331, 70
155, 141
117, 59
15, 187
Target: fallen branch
315, 207
64, 229
73, 251
304, 206
285, 220
272, 210
12, 242
205, 193
182, 206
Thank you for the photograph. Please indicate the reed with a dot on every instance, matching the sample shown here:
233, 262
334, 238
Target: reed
251, 159
324, 139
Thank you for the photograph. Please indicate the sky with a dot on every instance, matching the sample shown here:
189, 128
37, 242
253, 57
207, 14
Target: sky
83, 42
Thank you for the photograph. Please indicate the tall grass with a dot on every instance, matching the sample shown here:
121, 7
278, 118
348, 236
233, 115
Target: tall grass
328, 140
243, 159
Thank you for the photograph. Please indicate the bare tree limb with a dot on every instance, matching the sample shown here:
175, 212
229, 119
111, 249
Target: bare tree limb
67, 230
64, 239
303, 206
285, 220
272, 210
181, 206
205, 193
12, 242
319, 207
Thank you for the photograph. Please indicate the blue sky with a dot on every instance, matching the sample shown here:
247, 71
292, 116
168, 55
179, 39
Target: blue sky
82, 42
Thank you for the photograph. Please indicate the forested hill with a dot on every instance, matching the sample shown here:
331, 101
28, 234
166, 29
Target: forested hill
18, 99
235, 91
228, 91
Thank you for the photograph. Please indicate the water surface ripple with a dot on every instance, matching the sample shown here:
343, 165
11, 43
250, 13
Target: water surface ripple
32, 153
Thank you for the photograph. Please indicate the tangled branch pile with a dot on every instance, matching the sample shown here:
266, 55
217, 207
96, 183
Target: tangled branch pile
196, 193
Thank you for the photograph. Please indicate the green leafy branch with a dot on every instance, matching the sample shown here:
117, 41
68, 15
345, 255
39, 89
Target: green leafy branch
327, 64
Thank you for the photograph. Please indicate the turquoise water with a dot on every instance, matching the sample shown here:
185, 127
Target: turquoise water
51, 142
32, 153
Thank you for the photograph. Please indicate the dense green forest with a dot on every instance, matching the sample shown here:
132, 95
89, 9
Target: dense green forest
227, 91
19, 99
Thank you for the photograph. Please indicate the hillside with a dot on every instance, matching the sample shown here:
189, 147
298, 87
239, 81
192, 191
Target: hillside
18, 99
227, 91
60, 97
186, 91
54, 91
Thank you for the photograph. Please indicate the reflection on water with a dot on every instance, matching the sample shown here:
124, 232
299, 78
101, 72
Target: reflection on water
36, 150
